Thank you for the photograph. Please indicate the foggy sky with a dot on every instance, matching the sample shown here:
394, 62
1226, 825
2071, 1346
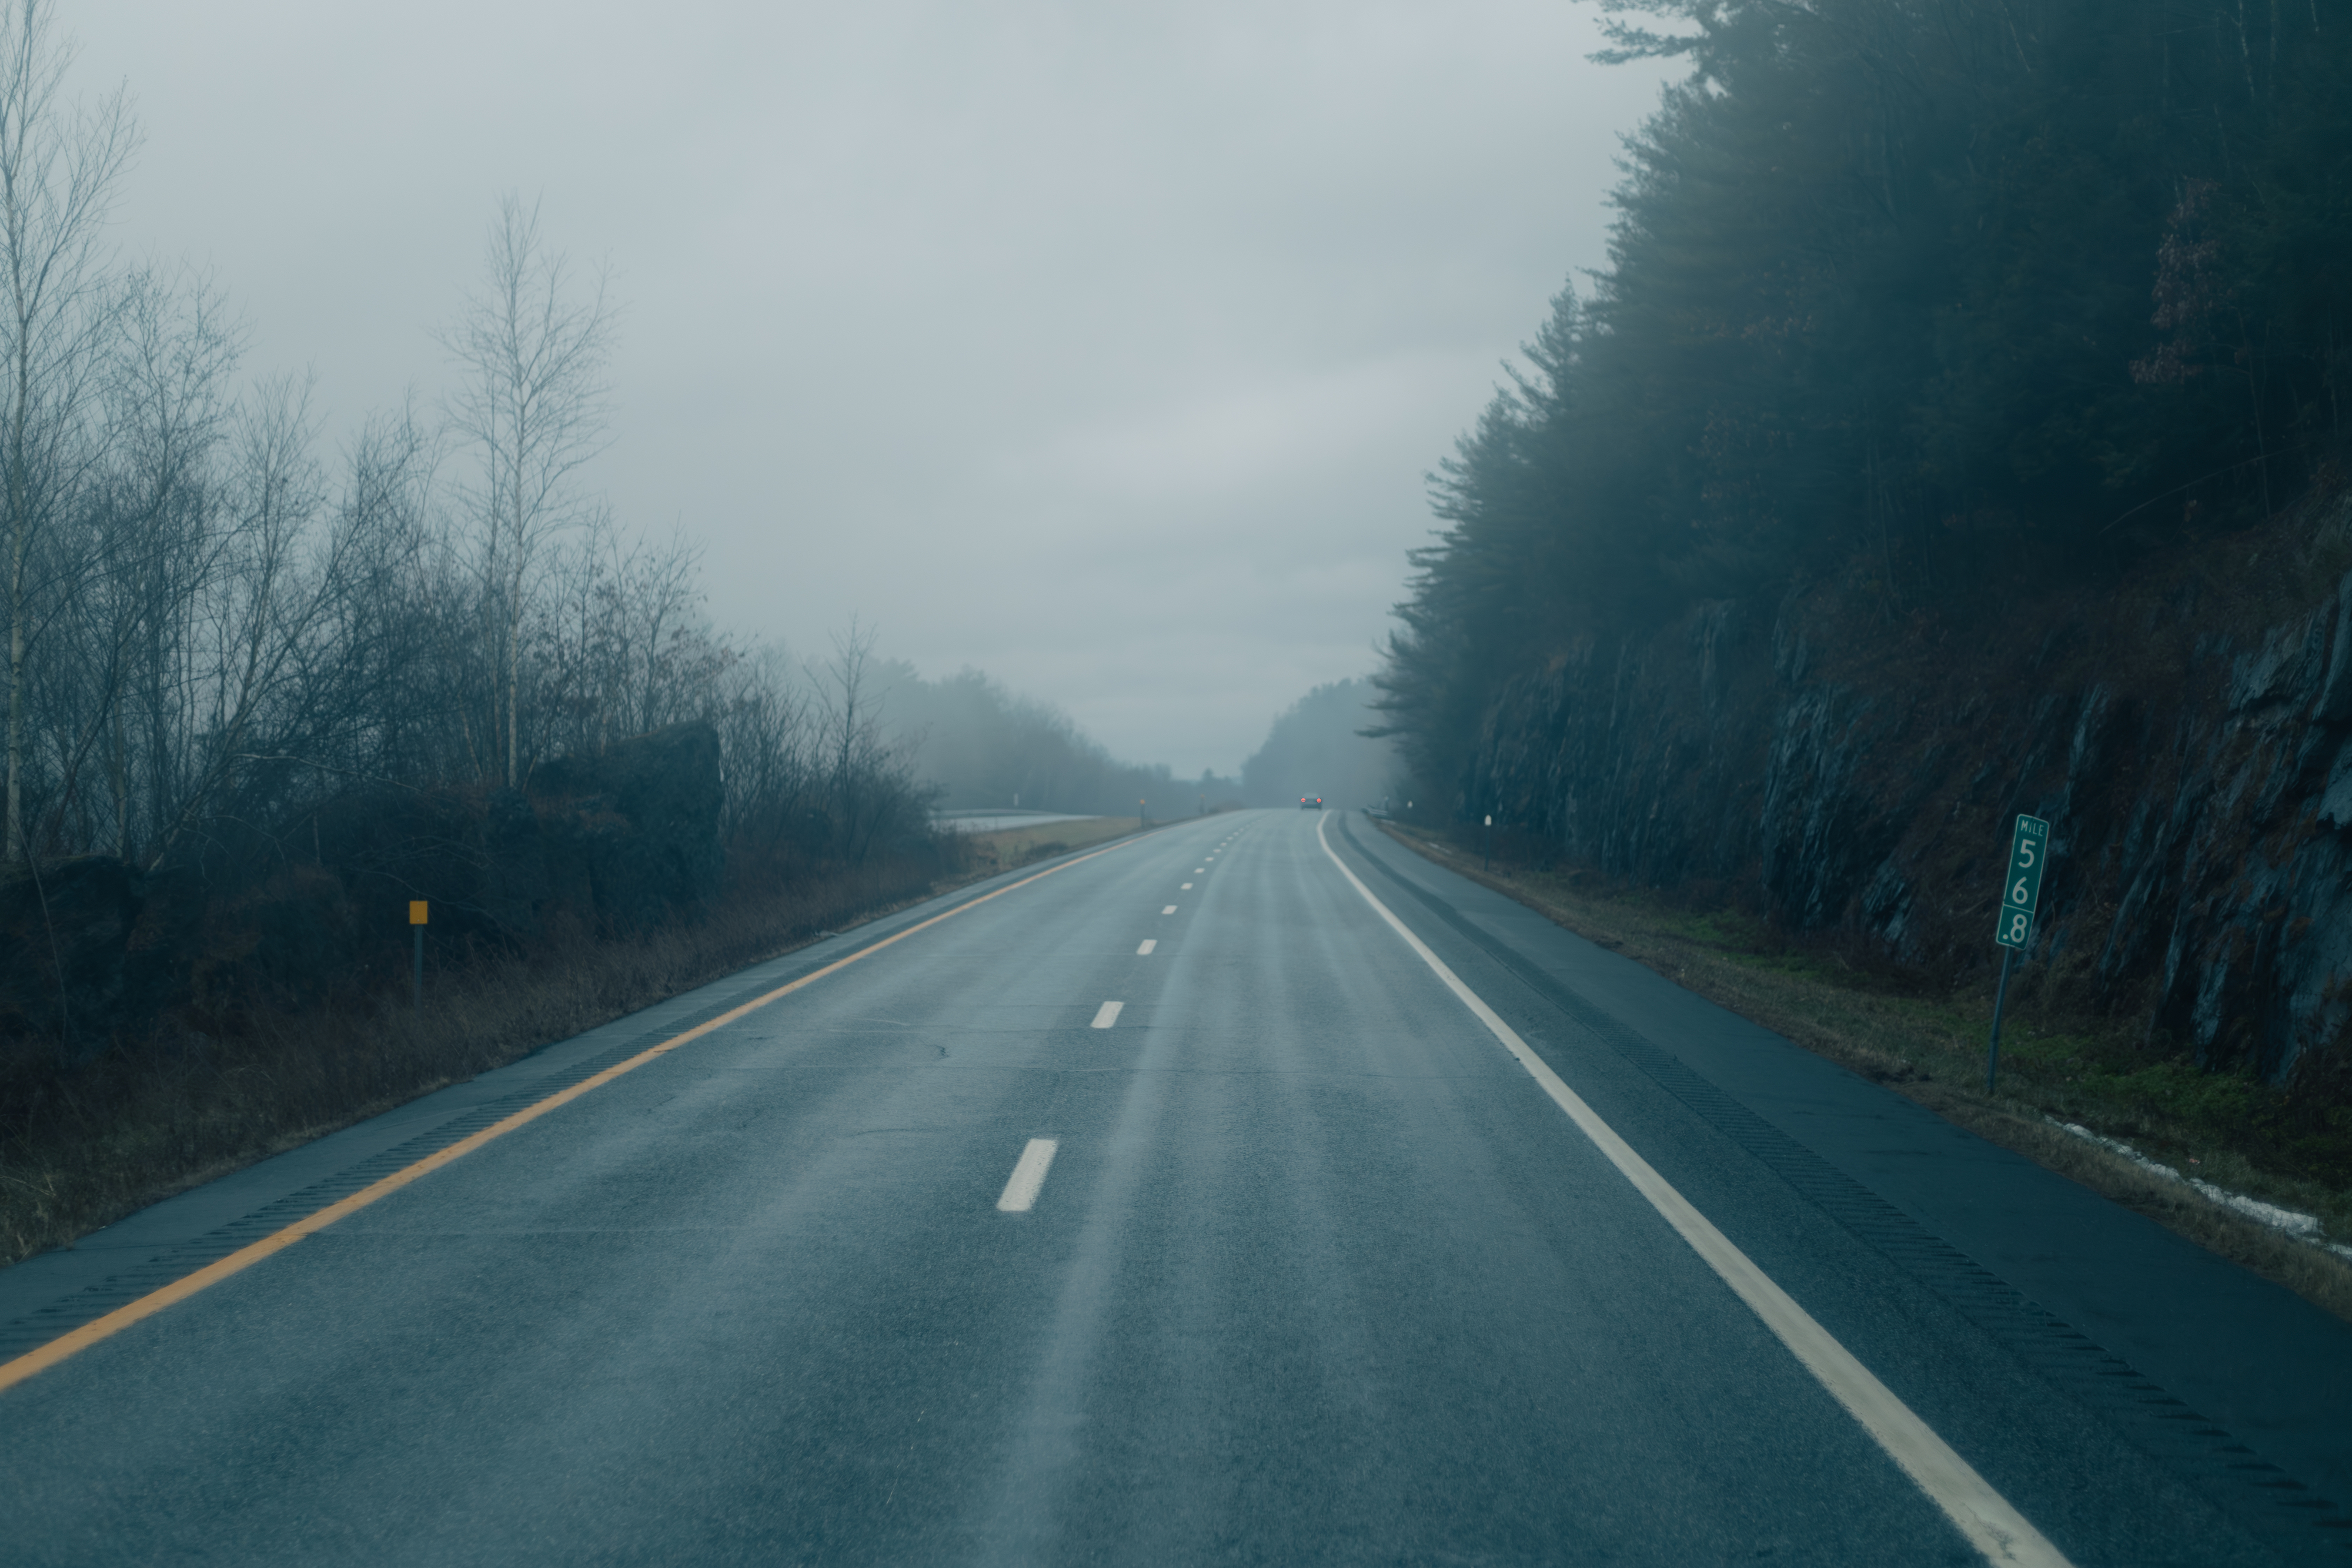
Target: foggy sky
1103, 347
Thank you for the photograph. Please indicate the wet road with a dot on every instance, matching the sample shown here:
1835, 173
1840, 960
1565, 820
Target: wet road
942, 1256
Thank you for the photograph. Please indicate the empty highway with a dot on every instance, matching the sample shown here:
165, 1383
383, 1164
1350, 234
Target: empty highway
1249, 1191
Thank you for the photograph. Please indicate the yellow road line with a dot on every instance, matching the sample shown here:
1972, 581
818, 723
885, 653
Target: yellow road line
78, 1340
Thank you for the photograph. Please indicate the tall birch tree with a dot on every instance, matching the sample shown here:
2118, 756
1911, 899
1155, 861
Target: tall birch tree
533, 342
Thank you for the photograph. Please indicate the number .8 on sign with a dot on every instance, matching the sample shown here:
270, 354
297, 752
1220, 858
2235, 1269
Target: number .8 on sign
2018, 923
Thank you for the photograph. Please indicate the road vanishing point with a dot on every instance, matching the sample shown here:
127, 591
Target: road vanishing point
1247, 1191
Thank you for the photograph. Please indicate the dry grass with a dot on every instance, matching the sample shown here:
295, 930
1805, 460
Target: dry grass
95, 1145
1932, 1051
1011, 847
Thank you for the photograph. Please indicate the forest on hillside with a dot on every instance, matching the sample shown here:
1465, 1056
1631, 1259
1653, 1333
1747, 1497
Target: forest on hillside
972, 744
1318, 746
1946, 301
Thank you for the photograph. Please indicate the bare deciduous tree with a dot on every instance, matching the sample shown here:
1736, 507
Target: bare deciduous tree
168, 408
871, 778
59, 165
215, 640
534, 348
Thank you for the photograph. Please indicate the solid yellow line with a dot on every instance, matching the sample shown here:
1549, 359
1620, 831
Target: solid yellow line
68, 1345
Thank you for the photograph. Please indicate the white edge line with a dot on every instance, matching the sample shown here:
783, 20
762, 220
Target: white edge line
1992, 1525
1028, 1176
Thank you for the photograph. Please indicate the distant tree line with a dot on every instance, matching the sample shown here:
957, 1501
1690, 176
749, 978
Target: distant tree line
214, 625
1318, 746
977, 745
1938, 297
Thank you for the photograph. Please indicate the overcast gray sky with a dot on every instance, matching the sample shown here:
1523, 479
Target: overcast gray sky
1100, 346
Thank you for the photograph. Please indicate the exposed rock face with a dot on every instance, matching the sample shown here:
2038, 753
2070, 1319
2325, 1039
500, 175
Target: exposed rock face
1857, 780
93, 948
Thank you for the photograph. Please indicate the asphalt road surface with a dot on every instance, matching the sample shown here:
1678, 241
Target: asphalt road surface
1250, 1191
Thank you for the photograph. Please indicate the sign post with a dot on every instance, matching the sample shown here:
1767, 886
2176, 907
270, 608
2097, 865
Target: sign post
2021, 891
1490, 841
416, 977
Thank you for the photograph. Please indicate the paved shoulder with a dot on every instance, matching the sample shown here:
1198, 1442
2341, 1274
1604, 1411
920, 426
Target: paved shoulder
2116, 1313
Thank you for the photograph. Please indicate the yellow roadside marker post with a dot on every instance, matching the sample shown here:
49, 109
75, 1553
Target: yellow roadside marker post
416, 924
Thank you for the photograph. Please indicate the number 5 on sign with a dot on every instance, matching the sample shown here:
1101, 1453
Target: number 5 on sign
2022, 888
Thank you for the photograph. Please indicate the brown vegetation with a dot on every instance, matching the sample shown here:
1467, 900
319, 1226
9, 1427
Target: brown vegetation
1011, 847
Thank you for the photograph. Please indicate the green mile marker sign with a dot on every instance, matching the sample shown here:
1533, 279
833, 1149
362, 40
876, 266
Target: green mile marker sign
2021, 890
2021, 887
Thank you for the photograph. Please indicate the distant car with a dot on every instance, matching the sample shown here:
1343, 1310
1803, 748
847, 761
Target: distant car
1310, 803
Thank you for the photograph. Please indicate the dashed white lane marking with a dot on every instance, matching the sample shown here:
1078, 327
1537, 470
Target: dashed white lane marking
1186, 887
1028, 1176
1106, 1015
1170, 910
1199, 869
1149, 943
1992, 1525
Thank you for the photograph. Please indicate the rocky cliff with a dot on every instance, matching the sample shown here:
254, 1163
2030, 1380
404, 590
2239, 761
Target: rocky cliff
1851, 772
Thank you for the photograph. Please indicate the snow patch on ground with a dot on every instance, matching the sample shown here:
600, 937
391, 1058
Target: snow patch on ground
2303, 1227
